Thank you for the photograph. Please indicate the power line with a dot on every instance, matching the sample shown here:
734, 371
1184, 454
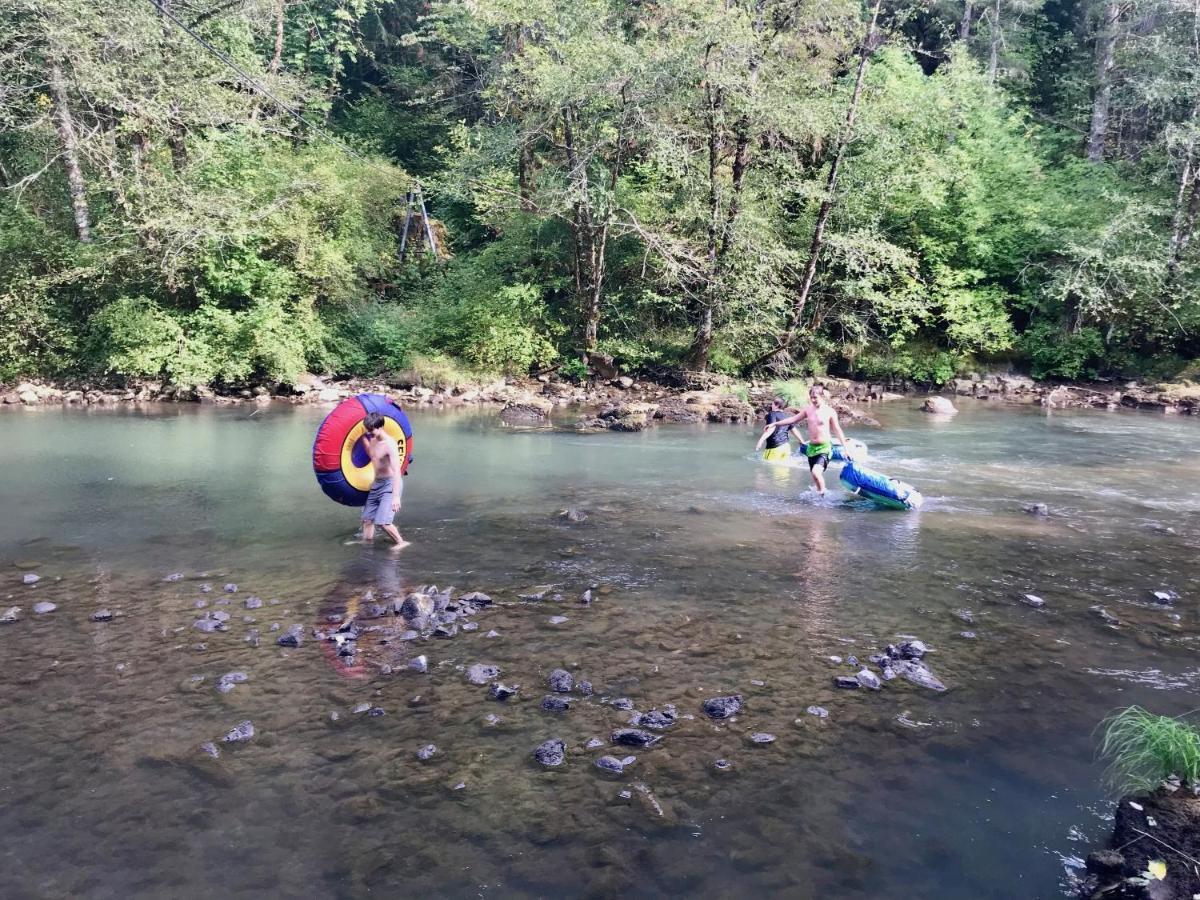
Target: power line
255, 85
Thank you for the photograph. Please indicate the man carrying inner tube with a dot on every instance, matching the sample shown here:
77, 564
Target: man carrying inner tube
383, 500
821, 421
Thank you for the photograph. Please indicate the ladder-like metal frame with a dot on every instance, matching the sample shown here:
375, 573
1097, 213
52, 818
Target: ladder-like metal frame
416, 197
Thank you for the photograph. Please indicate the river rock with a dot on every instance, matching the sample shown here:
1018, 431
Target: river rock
229, 679
529, 410
819, 711
10, 615
1105, 616
220, 616
919, 674
585, 688
938, 406
557, 620
621, 703
253, 602
593, 743
869, 680
417, 606
723, 707
427, 752
762, 737
539, 592
610, 764
912, 650
1165, 597
30, 578
502, 692
293, 637
634, 737
173, 577
106, 615
1037, 509
551, 753
44, 606
722, 765
846, 681
1032, 600
240, 734
574, 515
586, 597
231, 588
555, 703
211, 749
419, 664
965, 615
481, 674
206, 588
968, 635
656, 719
477, 598
445, 631
561, 680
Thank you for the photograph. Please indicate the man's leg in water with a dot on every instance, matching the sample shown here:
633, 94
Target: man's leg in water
392, 532
368, 531
818, 478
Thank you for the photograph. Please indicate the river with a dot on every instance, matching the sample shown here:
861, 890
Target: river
713, 574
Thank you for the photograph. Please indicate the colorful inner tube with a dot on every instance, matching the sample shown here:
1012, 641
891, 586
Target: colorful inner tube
878, 488
839, 451
340, 459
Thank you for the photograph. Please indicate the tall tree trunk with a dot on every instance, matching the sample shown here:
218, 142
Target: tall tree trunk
1187, 228
1106, 46
818, 238
525, 175
589, 272
70, 154
702, 341
718, 249
277, 58
1177, 220
997, 39
964, 27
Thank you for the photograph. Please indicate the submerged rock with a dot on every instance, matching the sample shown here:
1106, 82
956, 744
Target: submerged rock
1037, 509
555, 703
919, 674
819, 711
723, 707
846, 681
551, 753
621, 703
540, 592
502, 692
427, 752
594, 743
557, 620
106, 615
211, 749
419, 664
1165, 597
610, 764
10, 615
253, 602
1032, 600
30, 578
912, 650
656, 719
231, 588
43, 607
722, 765
938, 406
242, 733
560, 680
967, 635
585, 688
477, 598
293, 637
1105, 616
965, 615
174, 576
762, 737
481, 674
634, 737
229, 679
869, 680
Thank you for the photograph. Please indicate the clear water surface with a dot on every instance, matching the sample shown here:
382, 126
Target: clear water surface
714, 574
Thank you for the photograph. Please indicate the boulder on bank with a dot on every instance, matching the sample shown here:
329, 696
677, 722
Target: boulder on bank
939, 406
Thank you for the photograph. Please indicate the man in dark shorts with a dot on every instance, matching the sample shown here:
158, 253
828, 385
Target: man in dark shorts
821, 422
383, 500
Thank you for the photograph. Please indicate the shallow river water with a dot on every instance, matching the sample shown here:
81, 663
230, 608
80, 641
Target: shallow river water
713, 575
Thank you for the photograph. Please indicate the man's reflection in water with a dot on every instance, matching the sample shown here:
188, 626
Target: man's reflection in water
370, 583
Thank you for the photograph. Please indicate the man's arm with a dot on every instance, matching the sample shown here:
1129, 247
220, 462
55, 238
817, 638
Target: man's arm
762, 438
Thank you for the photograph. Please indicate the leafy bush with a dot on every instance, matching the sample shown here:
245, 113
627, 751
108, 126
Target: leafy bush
1146, 749
920, 364
793, 391
1054, 352
440, 373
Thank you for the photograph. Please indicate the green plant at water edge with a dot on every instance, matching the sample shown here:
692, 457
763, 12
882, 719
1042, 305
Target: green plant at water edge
793, 391
1145, 749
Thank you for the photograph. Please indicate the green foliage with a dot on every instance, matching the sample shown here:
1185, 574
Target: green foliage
793, 391
1146, 749
1056, 353
922, 364
439, 373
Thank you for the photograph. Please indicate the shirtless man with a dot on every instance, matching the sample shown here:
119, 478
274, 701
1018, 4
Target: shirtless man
383, 500
821, 421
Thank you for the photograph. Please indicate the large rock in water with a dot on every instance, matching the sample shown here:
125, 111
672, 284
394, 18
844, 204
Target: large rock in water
918, 673
939, 406
560, 680
634, 737
481, 674
551, 753
723, 707
529, 410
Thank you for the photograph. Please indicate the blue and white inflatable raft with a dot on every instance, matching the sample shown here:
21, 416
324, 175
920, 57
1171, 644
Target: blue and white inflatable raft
878, 488
858, 448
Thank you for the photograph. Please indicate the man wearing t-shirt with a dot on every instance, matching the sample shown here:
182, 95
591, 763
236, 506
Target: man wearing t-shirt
776, 441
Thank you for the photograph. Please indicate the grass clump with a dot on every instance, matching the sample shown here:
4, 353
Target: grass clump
793, 391
440, 373
1146, 749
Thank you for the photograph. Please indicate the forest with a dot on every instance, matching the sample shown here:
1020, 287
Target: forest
240, 191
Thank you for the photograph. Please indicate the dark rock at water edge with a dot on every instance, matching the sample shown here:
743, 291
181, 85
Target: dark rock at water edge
634, 737
560, 680
293, 637
723, 707
551, 753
